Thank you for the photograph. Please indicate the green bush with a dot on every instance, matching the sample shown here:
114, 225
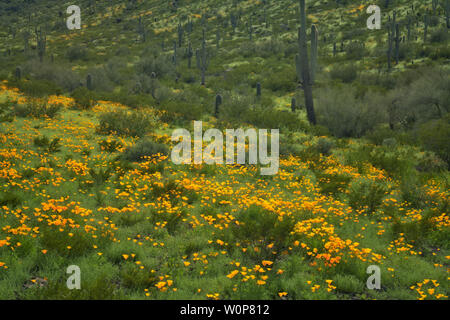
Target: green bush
345, 115
37, 88
324, 146
84, 98
36, 109
435, 136
126, 123
367, 194
144, 148
110, 145
5, 112
429, 162
345, 72
439, 35
77, 53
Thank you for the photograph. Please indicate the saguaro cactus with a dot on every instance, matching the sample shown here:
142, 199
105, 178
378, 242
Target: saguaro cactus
314, 51
41, 40
389, 51
18, 73
174, 57
141, 30
89, 82
303, 67
153, 84
202, 59
218, 38
180, 35
293, 104
190, 54
217, 107
26, 44
447, 13
397, 43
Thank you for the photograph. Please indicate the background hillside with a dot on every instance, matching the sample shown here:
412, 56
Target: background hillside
86, 117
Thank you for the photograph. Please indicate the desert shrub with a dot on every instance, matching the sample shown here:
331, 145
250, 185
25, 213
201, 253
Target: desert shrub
143, 149
5, 112
430, 162
439, 35
256, 224
110, 145
36, 109
41, 141
283, 80
269, 118
10, 198
365, 193
324, 146
83, 98
114, 70
429, 96
263, 48
100, 80
60, 75
355, 50
345, 72
160, 65
435, 136
380, 134
37, 88
127, 123
49, 146
77, 52
396, 161
234, 106
347, 116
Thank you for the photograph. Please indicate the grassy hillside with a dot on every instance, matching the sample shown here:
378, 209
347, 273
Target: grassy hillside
86, 178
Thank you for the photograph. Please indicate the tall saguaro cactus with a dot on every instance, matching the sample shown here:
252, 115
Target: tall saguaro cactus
18, 73
202, 59
41, 40
89, 84
314, 51
180, 34
397, 43
303, 66
389, 51
217, 106
190, 54
447, 13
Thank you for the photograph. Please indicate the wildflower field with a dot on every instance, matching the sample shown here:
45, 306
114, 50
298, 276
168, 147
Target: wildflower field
86, 177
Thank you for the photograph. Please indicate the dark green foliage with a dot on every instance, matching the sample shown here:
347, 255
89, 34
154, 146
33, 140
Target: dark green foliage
435, 136
6, 114
83, 97
50, 146
89, 82
303, 65
18, 73
36, 109
110, 145
324, 146
346, 115
126, 123
144, 149
217, 106
366, 194
345, 72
